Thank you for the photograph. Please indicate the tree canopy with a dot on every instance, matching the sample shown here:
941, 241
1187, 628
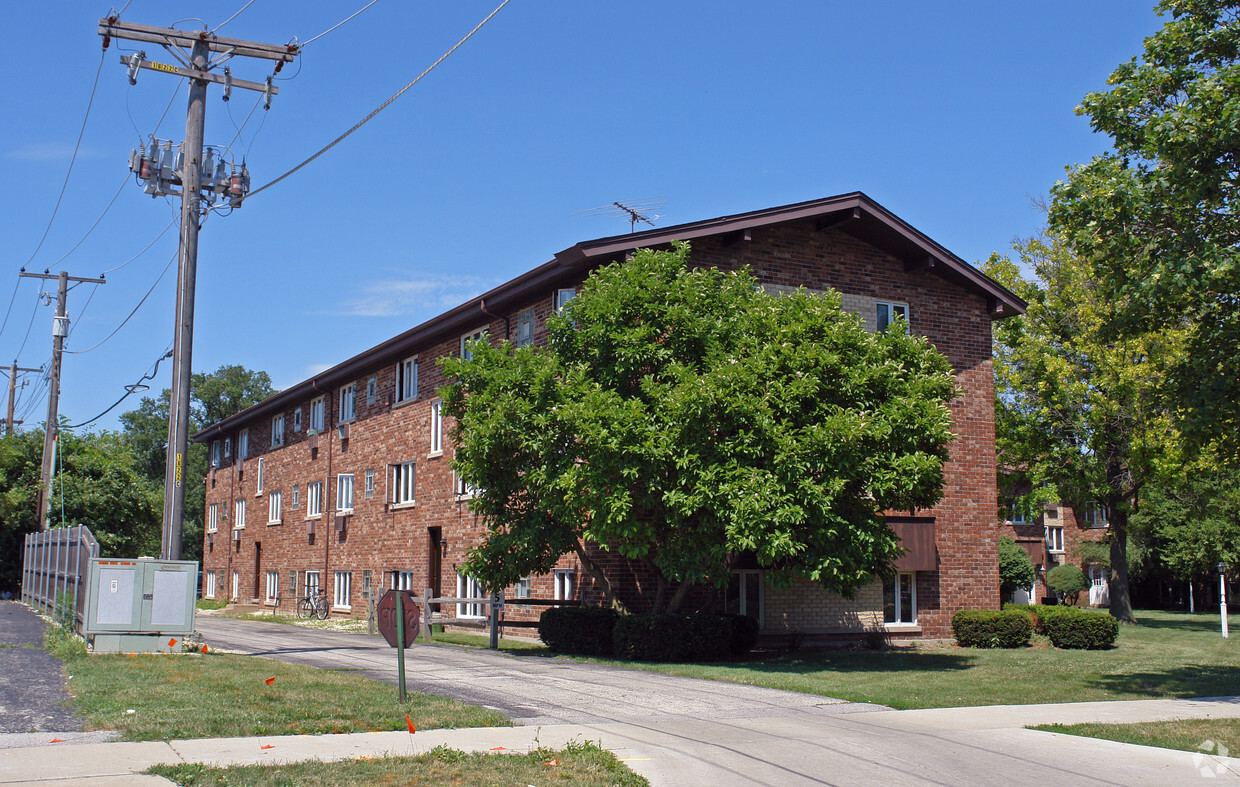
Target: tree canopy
1157, 218
680, 417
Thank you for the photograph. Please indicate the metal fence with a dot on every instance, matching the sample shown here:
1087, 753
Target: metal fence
55, 562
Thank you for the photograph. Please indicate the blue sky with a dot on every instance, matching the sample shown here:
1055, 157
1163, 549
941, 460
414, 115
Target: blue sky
954, 115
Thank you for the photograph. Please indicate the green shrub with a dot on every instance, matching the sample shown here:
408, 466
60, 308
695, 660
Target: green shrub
1015, 568
744, 634
583, 631
673, 637
985, 628
1066, 582
1079, 629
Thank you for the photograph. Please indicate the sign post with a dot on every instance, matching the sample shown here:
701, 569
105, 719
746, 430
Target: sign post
400, 646
398, 616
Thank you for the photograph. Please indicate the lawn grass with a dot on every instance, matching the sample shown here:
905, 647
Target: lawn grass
583, 765
508, 645
222, 695
1212, 736
1168, 655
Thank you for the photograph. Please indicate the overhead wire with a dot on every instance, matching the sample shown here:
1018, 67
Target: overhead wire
124, 183
130, 390
146, 248
78, 146
134, 311
42, 291
333, 27
9, 311
385, 104
234, 16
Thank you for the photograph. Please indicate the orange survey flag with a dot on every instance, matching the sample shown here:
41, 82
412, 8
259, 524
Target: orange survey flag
409, 721
270, 680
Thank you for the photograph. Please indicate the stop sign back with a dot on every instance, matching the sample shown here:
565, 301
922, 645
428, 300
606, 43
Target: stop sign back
385, 611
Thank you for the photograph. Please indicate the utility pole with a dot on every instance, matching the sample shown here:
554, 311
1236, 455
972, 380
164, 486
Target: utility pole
60, 329
193, 49
10, 421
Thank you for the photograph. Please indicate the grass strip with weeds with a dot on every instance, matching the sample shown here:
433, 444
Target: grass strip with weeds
580, 764
161, 697
1210, 736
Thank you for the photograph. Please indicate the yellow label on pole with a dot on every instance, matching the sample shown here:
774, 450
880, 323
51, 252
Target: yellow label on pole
178, 475
163, 67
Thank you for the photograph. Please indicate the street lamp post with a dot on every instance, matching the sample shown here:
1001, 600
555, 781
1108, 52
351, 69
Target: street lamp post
1222, 595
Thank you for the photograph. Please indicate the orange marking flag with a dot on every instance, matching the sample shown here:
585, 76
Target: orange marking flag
409, 721
270, 680
497, 748
266, 746
551, 762
172, 643
204, 648
57, 740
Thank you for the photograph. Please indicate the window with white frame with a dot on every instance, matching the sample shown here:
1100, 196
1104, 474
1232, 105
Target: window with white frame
209, 591
277, 431
1054, 538
236, 586
372, 390
900, 598
228, 448
312, 583
460, 488
318, 414
215, 453
213, 517
243, 444
259, 478
295, 500
273, 586
1016, 514
314, 499
348, 402
297, 420
1095, 515
273, 507
407, 379
746, 595
344, 493
477, 335
239, 520
437, 427
887, 312
344, 590
370, 482
562, 297
565, 585
525, 327
468, 587
402, 580
522, 588
403, 483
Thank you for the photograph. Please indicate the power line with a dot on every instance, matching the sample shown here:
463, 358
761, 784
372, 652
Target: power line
124, 183
10, 309
338, 24
234, 16
385, 104
146, 248
90, 102
130, 390
32, 317
135, 309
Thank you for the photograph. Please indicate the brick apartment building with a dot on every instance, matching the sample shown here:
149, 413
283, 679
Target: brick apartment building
1053, 538
343, 482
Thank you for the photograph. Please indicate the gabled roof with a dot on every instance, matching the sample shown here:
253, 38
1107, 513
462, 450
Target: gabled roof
855, 214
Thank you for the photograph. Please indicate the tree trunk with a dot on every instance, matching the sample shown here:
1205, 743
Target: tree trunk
1121, 598
599, 577
679, 598
660, 585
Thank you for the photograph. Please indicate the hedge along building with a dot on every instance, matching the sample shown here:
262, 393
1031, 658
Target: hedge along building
343, 482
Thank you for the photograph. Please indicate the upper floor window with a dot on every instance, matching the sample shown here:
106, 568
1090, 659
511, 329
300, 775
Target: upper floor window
1095, 515
314, 498
436, 427
407, 380
887, 312
259, 477
1016, 515
1054, 538
227, 447
525, 327
273, 507
562, 297
277, 431
243, 444
297, 420
318, 413
213, 518
402, 483
239, 519
477, 335
348, 402
372, 390
215, 453
344, 493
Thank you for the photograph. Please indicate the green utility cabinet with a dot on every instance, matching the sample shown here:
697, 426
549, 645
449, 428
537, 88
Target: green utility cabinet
140, 606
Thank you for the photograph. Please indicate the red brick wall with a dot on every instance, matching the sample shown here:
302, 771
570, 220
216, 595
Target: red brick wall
382, 540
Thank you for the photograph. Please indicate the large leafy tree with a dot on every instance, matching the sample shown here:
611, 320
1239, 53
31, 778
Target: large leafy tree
213, 396
1077, 407
1193, 517
682, 417
1157, 218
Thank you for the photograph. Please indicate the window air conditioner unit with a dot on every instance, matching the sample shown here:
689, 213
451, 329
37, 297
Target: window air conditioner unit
310, 527
342, 522
313, 440
237, 536
342, 431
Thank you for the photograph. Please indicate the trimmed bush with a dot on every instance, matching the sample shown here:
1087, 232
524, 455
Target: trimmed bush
1067, 582
673, 637
582, 631
744, 634
1078, 629
985, 628
1015, 568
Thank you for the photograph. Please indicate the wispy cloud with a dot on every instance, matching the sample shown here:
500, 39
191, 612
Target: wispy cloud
51, 151
317, 368
426, 296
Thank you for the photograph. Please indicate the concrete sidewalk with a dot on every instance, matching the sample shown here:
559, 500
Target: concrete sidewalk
980, 745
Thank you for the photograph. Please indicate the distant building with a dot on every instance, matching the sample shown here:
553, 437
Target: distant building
342, 482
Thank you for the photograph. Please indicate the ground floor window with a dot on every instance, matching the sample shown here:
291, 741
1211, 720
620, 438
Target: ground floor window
746, 595
900, 598
236, 586
344, 588
564, 584
312, 583
522, 588
210, 590
402, 580
468, 587
273, 585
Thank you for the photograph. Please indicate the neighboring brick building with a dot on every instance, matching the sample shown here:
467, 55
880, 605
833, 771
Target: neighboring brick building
343, 481
1055, 538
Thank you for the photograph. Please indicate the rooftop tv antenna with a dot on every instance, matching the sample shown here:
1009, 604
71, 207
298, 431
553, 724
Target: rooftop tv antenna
633, 210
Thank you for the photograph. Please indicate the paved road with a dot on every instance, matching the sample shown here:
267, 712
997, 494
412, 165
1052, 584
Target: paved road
32, 682
682, 731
